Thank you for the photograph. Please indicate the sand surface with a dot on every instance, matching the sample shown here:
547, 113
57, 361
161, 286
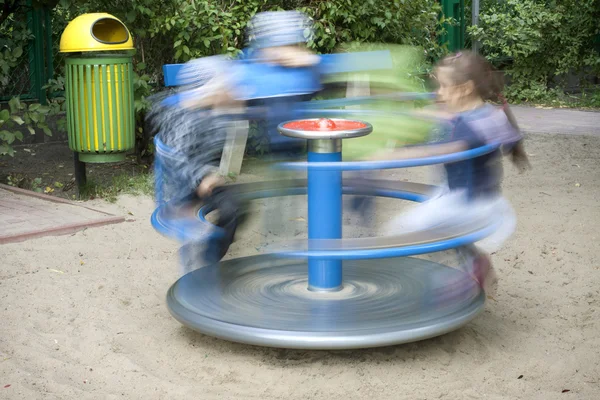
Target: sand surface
84, 316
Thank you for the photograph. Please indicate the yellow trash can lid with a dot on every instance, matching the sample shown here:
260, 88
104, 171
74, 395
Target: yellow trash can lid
95, 32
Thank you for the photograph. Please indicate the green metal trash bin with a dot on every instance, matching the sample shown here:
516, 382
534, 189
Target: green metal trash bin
99, 88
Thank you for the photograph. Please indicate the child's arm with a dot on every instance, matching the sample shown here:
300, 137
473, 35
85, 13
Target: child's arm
290, 56
433, 113
203, 162
432, 150
462, 138
197, 139
208, 184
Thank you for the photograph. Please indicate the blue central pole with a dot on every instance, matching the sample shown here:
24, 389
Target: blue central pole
324, 212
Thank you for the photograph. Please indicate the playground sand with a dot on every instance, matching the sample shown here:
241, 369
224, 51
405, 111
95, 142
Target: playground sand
84, 316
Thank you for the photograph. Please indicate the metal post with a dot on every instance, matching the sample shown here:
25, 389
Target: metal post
324, 189
38, 58
79, 169
49, 47
324, 212
31, 50
35, 75
158, 177
475, 22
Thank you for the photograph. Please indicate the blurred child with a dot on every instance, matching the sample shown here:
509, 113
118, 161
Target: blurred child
286, 72
279, 39
215, 91
466, 81
191, 137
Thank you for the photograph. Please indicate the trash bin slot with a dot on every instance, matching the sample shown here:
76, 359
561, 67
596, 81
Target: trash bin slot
110, 31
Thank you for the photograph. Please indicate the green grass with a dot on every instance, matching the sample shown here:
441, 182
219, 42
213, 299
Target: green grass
140, 184
588, 99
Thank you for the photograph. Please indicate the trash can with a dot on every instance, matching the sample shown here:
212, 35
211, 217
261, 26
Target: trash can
99, 88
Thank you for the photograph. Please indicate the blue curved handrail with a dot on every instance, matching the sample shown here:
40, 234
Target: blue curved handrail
350, 101
183, 230
324, 112
314, 109
400, 251
193, 230
406, 163
177, 98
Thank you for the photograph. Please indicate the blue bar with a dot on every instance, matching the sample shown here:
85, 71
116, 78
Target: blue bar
393, 164
158, 175
336, 63
324, 220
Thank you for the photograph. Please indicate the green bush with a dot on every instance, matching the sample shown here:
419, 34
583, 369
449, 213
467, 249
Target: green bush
173, 31
539, 42
180, 31
19, 114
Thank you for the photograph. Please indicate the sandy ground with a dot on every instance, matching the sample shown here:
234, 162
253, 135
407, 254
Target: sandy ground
84, 316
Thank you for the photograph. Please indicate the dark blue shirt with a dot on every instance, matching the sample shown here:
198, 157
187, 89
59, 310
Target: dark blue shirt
480, 176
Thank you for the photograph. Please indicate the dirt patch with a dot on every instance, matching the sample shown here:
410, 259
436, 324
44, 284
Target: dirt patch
50, 165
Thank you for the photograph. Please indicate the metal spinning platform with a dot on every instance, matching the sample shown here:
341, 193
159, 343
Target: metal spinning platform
264, 300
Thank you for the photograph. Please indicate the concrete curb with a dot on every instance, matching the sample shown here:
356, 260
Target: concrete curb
60, 229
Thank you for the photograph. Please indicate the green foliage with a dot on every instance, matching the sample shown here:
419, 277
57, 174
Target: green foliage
55, 89
141, 91
172, 31
16, 117
539, 42
589, 100
19, 117
14, 38
11, 50
257, 144
138, 184
177, 31
410, 22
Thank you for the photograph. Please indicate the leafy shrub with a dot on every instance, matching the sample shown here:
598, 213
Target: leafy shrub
172, 31
540, 41
18, 114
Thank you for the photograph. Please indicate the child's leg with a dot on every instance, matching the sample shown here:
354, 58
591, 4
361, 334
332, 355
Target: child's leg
447, 285
478, 264
444, 210
500, 209
190, 257
477, 258
232, 213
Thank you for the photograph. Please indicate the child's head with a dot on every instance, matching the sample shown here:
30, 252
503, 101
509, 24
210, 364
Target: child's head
206, 83
281, 37
278, 29
466, 79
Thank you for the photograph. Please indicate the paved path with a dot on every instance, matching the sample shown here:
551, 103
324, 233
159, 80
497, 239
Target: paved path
557, 120
25, 215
